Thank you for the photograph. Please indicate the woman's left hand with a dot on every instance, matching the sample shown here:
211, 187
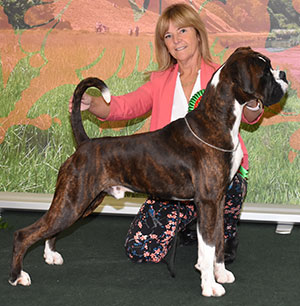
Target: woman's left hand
252, 110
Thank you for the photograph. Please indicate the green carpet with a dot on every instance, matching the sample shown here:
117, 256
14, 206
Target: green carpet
96, 270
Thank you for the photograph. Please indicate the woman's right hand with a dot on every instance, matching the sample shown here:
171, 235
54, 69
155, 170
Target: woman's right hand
95, 105
86, 101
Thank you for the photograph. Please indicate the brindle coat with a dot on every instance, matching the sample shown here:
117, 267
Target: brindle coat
170, 163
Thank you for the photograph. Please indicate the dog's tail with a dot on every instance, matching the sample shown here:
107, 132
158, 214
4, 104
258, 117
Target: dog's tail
76, 120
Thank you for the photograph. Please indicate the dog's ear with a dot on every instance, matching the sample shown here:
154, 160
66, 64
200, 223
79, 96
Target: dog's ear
242, 49
243, 84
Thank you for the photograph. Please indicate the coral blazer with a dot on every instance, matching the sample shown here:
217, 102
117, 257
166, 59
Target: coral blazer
158, 95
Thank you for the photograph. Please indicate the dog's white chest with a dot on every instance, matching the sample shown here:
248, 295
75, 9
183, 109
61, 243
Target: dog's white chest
238, 153
236, 161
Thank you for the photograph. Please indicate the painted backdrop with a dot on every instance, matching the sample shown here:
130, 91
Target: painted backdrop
47, 47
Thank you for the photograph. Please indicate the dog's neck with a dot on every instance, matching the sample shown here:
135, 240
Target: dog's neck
219, 116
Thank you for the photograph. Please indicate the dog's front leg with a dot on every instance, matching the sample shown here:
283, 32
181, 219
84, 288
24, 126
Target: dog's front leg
205, 264
223, 275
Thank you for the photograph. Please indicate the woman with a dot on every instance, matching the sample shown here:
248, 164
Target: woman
184, 68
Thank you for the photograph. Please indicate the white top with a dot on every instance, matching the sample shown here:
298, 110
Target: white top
180, 103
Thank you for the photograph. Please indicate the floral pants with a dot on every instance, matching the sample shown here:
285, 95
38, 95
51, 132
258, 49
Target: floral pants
153, 228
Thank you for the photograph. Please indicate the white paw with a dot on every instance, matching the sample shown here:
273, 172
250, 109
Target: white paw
224, 277
197, 266
53, 258
23, 279
213, 290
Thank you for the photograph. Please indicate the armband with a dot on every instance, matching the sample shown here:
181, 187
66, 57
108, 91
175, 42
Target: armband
254, 109
243, 172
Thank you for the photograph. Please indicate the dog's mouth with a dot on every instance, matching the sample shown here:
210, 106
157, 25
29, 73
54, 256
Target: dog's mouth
280, 77
279, 90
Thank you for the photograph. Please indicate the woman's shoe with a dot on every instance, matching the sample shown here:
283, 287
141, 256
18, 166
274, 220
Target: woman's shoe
230, 249
188, 237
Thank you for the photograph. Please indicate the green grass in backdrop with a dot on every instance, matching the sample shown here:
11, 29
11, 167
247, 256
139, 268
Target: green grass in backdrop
30, 157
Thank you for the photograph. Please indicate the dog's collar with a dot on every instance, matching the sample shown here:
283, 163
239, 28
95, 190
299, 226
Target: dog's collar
208, 144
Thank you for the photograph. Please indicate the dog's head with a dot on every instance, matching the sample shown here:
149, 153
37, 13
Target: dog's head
253, 77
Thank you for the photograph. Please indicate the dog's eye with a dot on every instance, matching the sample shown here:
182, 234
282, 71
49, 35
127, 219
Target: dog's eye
262, 58
269, 64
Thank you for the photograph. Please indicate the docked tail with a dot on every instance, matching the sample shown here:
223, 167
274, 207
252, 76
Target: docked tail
76, 120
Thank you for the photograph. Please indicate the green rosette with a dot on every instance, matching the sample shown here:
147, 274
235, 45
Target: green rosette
195, 99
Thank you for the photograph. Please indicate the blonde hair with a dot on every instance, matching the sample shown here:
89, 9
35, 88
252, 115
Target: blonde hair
183, 15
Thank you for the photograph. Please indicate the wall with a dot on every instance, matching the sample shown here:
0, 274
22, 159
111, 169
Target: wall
47, 49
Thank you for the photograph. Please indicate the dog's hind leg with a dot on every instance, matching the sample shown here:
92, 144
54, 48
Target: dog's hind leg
52, 257
44, 228
61, 214
23, 239
94, 204
58, 218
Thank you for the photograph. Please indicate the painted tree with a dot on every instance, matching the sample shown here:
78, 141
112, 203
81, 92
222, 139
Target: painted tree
16, 11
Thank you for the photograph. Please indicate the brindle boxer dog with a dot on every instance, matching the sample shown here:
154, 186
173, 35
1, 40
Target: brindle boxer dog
193, 158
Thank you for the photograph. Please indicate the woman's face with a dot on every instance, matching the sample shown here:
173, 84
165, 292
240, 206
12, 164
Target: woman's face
182, 43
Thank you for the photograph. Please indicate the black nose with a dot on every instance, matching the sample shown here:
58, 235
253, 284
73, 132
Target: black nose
282, 76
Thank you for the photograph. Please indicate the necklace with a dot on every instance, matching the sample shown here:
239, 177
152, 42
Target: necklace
208, 144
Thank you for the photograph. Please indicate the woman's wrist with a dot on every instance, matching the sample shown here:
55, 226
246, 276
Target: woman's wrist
254, 108
99, 107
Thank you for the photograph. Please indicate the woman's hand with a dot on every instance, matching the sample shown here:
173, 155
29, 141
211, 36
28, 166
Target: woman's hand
95, 105
252, 110
86, 102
